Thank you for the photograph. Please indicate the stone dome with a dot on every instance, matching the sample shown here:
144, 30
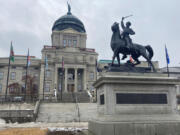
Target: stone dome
68, 21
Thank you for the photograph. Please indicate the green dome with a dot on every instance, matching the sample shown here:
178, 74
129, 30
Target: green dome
68, 21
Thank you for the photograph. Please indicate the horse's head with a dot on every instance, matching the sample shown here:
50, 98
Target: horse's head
115, 27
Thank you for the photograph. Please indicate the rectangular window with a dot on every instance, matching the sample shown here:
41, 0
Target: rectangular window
11, 90
13, 67
36, 75
102, 99
69, 42
64, 42
47, 87
74, 43
36, 68
0, 88
1, 75
13, 75
49, 56
23, 74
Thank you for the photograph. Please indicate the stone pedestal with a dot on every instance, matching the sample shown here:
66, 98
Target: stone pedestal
142, 104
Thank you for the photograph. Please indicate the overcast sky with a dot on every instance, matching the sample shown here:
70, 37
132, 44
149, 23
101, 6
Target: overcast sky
28, 24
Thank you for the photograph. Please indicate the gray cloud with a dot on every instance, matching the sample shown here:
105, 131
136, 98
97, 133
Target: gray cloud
29, 23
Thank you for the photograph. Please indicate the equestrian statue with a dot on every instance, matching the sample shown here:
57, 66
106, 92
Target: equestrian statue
122, 43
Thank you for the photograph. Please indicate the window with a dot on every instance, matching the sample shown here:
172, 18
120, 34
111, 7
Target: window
46, 97
69, 40
11, 90
91, 59
74, 43
1, 75
13, 75
0, 88
36, 68
91, 76
13, 67
47, 87
36, 75
64, 42
23, 74
48, 56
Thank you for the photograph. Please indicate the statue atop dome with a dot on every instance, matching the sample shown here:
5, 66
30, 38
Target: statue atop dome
69, 9
68, 21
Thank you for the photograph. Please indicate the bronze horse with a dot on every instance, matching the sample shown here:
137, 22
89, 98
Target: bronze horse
118, 46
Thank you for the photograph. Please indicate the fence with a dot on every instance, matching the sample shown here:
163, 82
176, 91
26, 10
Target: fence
65, 97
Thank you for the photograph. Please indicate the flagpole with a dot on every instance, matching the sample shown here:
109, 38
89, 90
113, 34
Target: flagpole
44, 75
96, 76
167, 69
26, 75
8, 76
62, 77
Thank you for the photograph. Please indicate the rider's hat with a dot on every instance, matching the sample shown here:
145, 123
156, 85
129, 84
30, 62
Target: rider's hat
128, 24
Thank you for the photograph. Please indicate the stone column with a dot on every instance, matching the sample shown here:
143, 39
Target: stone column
84, 79
41, 82
56, 74
75, 80
65, 79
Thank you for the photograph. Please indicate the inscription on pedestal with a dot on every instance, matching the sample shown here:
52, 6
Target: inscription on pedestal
102, 99
139, 98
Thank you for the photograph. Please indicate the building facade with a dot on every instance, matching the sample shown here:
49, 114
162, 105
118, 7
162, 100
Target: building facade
66, 65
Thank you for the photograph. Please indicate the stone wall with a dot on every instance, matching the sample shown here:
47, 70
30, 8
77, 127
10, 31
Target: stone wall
66, 112
17, 112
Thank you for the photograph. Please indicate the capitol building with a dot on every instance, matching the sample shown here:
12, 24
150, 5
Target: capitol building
66, 70
71, 66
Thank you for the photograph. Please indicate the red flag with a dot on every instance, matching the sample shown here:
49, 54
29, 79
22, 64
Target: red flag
131, 59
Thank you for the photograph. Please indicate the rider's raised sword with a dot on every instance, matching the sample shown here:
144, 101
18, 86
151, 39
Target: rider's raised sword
127, 16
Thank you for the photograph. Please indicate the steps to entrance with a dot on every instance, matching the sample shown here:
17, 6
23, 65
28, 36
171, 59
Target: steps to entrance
82, 97
66, 112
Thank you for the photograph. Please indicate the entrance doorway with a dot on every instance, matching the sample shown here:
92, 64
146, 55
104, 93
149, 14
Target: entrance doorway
70, 87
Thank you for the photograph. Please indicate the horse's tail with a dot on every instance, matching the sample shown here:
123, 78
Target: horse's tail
150, 50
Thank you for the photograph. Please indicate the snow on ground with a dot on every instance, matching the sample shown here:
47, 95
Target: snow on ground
51, 126
2, 122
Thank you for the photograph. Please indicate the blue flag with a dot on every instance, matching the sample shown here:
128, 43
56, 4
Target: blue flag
167, 56
28, 59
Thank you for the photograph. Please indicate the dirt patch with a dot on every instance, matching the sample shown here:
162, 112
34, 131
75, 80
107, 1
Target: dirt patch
24, 131
36, 131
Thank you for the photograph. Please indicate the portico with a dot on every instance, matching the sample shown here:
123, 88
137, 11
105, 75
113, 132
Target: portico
71, 78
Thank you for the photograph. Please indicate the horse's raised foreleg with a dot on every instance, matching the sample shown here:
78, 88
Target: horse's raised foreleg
137, 61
